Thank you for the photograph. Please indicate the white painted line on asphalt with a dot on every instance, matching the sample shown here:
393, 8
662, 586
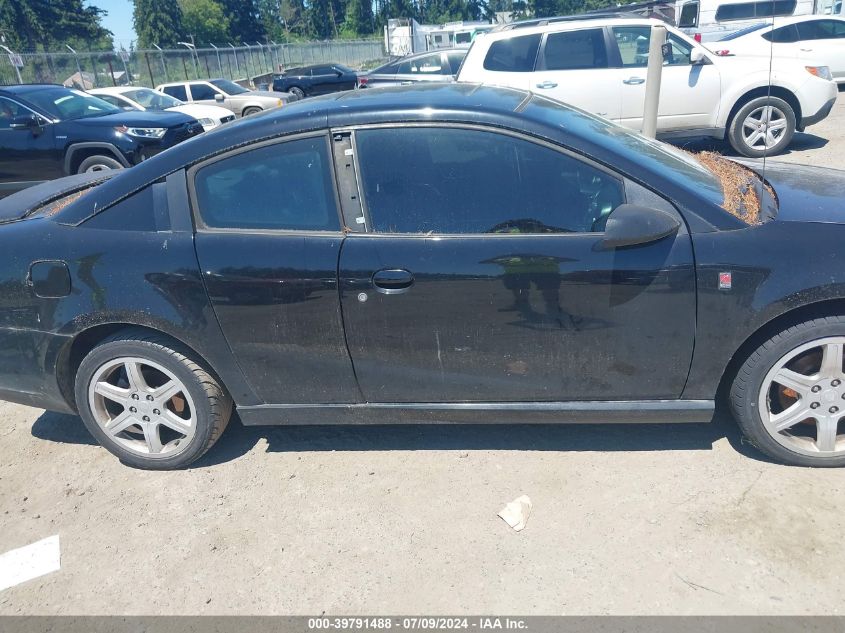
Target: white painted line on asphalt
29, 561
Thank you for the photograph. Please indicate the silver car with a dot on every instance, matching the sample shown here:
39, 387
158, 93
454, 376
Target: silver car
227, 94
439, 65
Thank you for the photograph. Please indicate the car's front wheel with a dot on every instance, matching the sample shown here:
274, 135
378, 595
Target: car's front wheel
297, 92
762, 127
145, 399
789, 395
98, 163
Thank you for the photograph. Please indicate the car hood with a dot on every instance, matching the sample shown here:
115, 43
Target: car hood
198, 111
804, 193
136, 118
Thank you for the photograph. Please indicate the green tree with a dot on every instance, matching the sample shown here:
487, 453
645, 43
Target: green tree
244, 22
158, 22
205, 20
359, 18
33, 25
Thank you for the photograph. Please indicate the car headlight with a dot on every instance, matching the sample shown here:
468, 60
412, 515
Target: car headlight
207, 122
823, 72
143, 132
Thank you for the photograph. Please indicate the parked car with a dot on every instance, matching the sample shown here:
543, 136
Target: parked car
440, 65
813, 39
598, 63
226, 94
48, 131
709, 20
309, 81
485, 255
135, 98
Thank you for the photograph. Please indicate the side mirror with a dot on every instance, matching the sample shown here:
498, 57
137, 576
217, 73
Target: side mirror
698, 58
219, 98
25, 122
631, 225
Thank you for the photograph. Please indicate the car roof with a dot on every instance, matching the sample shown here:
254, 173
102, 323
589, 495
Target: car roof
564, 24
582, 17
23, 89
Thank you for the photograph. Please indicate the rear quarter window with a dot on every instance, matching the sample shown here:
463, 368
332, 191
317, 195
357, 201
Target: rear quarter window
514, 55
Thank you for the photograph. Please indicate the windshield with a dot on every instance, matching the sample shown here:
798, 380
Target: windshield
745, 31
229, 87
152, 100
64, 103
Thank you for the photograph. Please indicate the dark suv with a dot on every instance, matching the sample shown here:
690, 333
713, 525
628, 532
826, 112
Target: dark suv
48, 131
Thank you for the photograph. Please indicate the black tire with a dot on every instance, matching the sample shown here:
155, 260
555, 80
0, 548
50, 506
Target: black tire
747, 384
250, 111
297, 92
98, 163
212, 404
784, 137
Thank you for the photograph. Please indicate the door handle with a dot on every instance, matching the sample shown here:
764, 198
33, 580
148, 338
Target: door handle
633, 81
393, 281
546, 85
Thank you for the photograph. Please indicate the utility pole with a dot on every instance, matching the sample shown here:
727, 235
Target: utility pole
654, 72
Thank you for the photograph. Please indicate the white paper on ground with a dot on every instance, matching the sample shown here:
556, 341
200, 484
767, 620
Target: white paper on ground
29, 561
516, 513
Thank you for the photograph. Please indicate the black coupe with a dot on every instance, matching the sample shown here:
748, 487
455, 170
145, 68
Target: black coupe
447, 252
310, 81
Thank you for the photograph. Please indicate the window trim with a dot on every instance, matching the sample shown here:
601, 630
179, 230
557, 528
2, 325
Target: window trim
365, 207
201, 227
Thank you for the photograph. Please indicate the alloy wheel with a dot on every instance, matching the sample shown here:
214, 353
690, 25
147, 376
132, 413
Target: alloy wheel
143, 407
764, 127
802, 399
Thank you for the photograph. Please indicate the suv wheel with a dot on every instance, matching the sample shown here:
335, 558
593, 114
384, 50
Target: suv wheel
297, 92
98, 163
763, 126
789, 396
148, 402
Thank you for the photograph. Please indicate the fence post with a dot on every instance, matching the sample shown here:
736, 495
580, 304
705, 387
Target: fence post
149, 69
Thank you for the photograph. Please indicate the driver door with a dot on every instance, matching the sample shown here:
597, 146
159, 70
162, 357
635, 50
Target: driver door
27, 156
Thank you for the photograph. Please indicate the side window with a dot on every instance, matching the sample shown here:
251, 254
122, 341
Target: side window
689, 16
633, 42
455, 61
514, 55
284, 186
178, 92
747, 10
821, 30
8, 111
427, 65
783, 35
135, 213
573, 50
202, 92
459, 181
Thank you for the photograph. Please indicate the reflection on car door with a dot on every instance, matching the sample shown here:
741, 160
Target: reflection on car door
482, 278
26, 156
268, 239
689, 94
573, 68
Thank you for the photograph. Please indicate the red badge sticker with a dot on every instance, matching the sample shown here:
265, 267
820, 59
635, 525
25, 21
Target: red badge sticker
724, 281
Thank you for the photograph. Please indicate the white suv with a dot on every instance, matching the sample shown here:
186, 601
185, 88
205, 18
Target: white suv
598, 63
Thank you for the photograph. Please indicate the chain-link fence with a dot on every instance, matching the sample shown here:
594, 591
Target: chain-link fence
245, 64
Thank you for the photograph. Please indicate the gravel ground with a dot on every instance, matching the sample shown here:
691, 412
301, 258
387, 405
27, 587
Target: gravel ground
402, 520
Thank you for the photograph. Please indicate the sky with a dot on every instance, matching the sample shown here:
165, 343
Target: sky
119, 19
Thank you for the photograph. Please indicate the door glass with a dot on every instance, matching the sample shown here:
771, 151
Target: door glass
427, 65
8, 111
177, 92
783, 35
202, 92
285, 186
514, 55
819, 30
458, 181
689, 16
572, 50
633, 42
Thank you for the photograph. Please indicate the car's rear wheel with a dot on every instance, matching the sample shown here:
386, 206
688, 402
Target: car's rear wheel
789, 395
250, 111
98, 163
763, 126
145, 399
297, 92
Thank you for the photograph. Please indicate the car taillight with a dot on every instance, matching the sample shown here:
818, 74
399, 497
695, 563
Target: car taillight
697, 37
363, 81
